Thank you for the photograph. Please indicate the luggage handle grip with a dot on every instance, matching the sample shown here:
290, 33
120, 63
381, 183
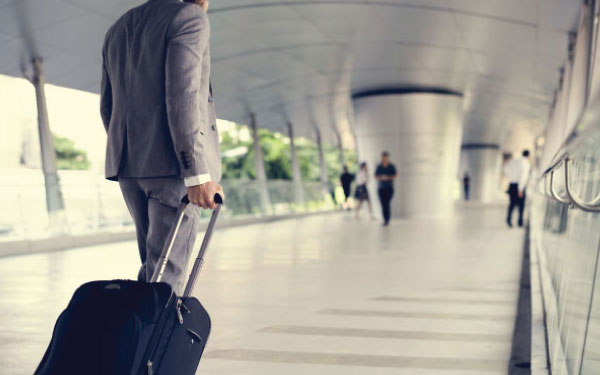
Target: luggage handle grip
164, 258
218, 199
199, 262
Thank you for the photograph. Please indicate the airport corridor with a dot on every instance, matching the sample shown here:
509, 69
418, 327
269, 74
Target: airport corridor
324, 294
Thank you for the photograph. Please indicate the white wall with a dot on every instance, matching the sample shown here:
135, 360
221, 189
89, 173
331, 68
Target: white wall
483, 166
423, 134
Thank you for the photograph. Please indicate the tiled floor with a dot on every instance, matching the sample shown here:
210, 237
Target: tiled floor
319, 295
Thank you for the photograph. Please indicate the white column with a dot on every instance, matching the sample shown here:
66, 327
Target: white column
54, 197
341, 156
422, 131
482, 162
296, 175
322, 164
261, 176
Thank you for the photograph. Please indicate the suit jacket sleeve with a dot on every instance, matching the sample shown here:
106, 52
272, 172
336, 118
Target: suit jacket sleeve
105, 95
188, 38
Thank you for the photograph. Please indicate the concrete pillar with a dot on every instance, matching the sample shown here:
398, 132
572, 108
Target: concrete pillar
261, 176
422, 131
322, 164
54, 198
482, 162
296, 175
340, 145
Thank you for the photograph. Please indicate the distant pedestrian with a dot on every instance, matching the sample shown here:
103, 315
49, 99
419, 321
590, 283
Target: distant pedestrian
385, 174
466, 185
361, 193
517, 173
346, 180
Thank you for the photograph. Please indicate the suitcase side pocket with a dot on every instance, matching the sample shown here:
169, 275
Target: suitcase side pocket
119, 343
186, 341
92, 342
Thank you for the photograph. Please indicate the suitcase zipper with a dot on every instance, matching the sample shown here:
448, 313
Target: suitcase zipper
185, 307
178, 305
181, 305
178, 309
155, 340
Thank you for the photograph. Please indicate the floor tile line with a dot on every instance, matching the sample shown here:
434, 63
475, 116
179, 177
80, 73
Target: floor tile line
416, 315
355, 359
386, 334
444, 300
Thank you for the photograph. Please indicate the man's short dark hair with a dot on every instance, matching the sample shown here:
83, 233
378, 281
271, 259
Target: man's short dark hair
525, 153
385, 153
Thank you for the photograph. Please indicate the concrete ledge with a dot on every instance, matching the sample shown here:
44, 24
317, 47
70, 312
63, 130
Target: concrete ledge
64, 242
539, 342
43, 245
541, 288
520, 358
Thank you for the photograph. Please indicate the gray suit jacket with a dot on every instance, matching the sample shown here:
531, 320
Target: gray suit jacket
156, 102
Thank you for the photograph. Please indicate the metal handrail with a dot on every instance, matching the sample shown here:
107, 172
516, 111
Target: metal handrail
577, 202
546, 189
596, 200
553, 192
547, 192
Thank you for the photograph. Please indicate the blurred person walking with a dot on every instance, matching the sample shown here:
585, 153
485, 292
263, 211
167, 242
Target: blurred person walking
386, 174
346, 180
361, 193
517, 172
466, 185
157, 107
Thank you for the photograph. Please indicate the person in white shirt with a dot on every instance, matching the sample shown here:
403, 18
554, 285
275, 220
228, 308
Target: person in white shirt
361, 193
517, 172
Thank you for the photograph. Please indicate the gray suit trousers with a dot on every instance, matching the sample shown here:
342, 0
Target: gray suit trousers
153, 204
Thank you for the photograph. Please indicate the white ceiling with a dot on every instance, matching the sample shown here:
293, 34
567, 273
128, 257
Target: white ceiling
301, 61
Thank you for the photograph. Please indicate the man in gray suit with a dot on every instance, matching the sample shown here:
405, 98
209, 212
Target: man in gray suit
157, 108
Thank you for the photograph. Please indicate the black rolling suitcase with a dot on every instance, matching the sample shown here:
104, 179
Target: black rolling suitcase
124, 327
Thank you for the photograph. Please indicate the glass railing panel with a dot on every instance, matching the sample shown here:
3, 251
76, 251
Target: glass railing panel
586, 184
566, 241
94, 204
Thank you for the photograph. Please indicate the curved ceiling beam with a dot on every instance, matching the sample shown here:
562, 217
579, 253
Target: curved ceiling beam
374, 3
406, 90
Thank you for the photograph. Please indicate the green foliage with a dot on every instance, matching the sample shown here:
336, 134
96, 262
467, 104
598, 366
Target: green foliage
276, 154
67, 156
332, 162
239, 166
308, 159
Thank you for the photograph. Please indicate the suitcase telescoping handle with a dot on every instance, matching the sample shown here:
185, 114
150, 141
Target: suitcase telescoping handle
164, 258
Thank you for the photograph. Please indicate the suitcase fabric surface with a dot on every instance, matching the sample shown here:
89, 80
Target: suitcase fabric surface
129, 327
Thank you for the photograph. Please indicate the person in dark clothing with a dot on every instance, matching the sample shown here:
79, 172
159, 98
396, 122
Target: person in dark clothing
385, 174
346, 179
517, 173
466, 185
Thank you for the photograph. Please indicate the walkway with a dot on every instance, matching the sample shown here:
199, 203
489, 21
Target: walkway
318, 295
